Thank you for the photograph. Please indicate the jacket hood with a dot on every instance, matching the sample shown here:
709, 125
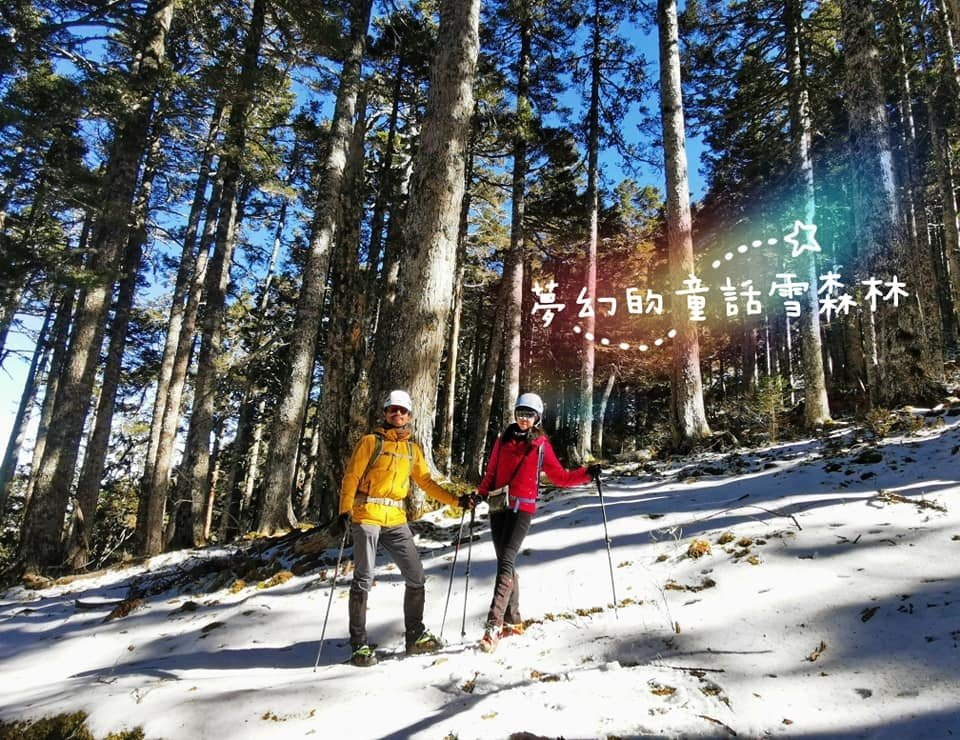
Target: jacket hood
394, 434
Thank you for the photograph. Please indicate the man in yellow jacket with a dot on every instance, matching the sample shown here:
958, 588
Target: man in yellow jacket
372, 496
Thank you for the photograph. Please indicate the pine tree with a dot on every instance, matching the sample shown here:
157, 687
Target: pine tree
433, 218
688, 416
277, 512
40, 542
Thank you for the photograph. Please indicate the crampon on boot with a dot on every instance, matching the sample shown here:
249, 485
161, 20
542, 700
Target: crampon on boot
426, 643
363, 656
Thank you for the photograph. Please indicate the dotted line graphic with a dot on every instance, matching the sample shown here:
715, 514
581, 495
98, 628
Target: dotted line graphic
743, 249
661, 341
643, 346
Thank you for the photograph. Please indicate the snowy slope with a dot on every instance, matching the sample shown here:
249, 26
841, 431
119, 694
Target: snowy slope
834, 611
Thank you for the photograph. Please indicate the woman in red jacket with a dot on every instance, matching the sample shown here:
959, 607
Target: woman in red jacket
510, 485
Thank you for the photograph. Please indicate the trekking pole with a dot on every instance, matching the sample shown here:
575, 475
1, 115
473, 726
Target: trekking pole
466, 587
333, 586
453, 566
606, 536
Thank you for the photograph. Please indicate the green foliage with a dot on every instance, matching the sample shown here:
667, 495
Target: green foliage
879, 422
769, 402
115, 522
60, 727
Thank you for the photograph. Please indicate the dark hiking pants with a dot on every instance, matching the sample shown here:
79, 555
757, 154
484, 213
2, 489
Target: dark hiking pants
508, 529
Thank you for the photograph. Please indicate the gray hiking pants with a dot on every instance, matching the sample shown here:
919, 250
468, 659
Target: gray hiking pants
398, 542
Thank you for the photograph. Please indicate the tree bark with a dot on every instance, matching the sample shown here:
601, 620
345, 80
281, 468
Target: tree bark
816, 407
59, 336
346, 336
195, 472
512, 289
586, 422
688, 417
447, 407
277, 513
18, 430
40, 544
901, 362
150, 516
913, 166
179, 307
602, 411
95, 455
433, 218
476, 444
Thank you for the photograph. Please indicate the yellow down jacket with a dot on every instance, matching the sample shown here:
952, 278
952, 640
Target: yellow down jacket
388, 478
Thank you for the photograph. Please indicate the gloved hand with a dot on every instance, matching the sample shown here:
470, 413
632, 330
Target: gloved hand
593, 470
343, 523
468, 501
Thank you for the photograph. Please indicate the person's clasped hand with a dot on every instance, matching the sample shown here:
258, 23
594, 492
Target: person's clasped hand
467, 501
343, 523
594, 471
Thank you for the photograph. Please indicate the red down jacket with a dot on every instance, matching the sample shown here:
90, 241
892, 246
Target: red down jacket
506, 458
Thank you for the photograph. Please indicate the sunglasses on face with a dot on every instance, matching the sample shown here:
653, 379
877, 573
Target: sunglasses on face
526, 414
397, 410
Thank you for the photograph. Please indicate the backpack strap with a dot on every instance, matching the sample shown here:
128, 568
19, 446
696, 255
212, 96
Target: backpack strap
377, 449
516, 499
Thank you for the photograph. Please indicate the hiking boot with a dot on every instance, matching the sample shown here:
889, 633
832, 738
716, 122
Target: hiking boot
490, 639
511, 629
426, 643
363, 656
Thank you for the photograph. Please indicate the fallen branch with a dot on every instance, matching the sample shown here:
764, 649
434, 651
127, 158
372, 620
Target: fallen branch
90, 606
727, 727
896, 498
693, 669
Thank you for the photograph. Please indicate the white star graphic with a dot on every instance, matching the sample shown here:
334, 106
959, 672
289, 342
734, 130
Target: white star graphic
809, 240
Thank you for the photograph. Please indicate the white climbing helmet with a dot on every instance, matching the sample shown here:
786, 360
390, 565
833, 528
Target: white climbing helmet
529, 401
399, 398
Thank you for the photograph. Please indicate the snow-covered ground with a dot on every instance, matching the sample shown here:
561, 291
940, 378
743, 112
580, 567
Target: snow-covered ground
833, 611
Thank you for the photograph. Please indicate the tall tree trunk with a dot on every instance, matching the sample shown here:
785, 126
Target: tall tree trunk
585, 432
346, 339
195, 476
816, 407
95, 455
59, 336
687, 414
902, 363
432, 223
18, 431
9, 303
488, 380
150, 516
917, 220
447, 407
512, 290
250, 419
384, 181
40, 544
602, 411
178, 312
277, 512
938, 60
